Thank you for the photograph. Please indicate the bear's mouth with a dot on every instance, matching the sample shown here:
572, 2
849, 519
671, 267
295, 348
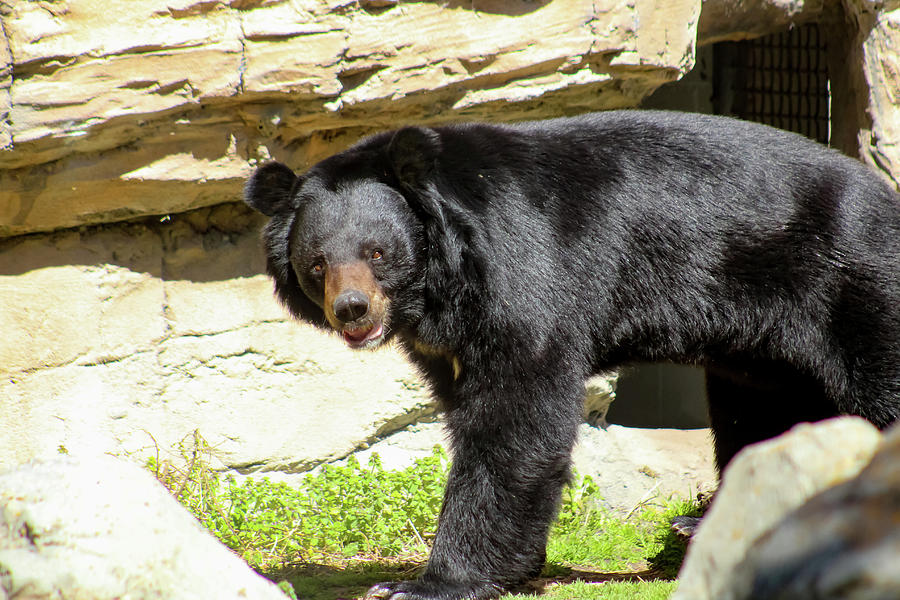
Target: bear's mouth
365, 336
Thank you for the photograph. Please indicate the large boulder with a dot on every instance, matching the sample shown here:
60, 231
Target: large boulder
104, 529
761, 485
844, 544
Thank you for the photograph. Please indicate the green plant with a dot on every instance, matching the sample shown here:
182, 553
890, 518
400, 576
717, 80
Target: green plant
287, 589
337, 513
373, 512
195, 485
673, 546
348, 526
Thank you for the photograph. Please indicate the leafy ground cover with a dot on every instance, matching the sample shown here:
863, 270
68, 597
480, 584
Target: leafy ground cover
350, 526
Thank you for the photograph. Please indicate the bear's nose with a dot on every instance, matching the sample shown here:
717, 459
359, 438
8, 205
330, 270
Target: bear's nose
351, 305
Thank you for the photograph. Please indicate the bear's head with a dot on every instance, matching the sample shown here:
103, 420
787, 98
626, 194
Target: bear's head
345, 245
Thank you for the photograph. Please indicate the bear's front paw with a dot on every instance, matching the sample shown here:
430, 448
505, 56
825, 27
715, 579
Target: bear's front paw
432, 590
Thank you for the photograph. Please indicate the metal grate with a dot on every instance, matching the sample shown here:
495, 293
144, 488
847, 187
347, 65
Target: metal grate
780, 80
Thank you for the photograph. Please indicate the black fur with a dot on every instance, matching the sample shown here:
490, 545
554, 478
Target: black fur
520, 259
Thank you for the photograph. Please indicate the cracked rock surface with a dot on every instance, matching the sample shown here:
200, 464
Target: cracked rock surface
114, 109
104, 529
126, 339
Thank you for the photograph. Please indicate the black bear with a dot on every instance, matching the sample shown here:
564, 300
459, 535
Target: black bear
513, 261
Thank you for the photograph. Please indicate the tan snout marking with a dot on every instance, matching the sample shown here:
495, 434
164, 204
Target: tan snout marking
353, 276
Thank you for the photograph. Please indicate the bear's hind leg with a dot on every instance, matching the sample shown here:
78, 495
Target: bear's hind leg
752, 404
748, 406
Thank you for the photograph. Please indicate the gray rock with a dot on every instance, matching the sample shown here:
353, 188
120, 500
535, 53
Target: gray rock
634, 466
762, 484
104, 529
599, 393
844, 544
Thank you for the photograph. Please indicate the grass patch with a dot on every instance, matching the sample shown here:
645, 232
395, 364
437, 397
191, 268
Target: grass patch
587, 534
348, 527
607, 590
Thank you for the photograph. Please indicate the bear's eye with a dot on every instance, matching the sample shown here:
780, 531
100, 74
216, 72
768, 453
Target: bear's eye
317, 267
377, 254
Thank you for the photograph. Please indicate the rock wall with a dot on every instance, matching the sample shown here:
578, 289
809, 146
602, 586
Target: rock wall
874, 78
116, 109
134, 306
125, 338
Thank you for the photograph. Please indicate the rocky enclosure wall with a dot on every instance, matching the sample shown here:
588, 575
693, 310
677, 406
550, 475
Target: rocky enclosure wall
127, 338
109, 101
134, 308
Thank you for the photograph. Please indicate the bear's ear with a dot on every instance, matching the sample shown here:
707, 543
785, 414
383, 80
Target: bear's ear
412, 152
269, 189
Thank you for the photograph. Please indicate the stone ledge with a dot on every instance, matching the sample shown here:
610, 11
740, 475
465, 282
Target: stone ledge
119, 109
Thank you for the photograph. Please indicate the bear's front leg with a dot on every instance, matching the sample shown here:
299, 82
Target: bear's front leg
511, 454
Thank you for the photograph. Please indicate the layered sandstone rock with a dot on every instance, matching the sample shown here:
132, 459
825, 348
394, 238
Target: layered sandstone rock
127, 339
127, 108
127, 336
729, 20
